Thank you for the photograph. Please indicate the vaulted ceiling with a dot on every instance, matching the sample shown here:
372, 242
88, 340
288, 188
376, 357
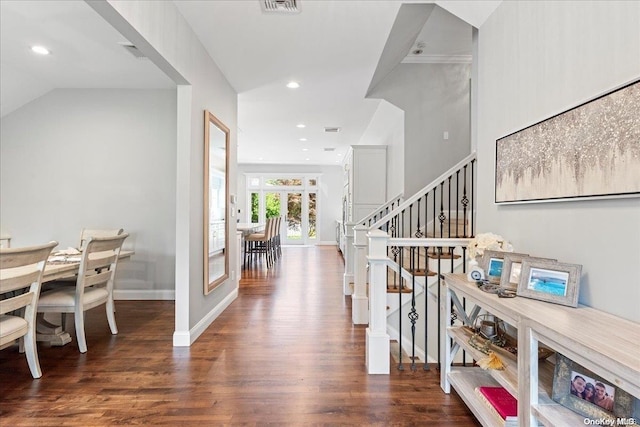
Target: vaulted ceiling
331, 48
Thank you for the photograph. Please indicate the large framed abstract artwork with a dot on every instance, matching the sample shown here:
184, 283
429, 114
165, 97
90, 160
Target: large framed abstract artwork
589, 151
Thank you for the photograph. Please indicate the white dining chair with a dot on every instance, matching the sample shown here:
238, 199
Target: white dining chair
86, 233
20, 280
94, 285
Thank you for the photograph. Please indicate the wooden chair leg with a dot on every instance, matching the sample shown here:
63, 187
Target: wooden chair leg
111, 316
80, 337
31, 350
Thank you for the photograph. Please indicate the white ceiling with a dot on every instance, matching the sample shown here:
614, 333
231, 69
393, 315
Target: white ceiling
331, 48
84, 53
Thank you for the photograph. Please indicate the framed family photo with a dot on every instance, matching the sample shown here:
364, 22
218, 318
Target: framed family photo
550, 281
588, 394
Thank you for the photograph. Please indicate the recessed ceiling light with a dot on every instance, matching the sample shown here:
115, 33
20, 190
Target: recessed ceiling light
293, 85
300, 125
260, 158
307, 158
40, 50
305, 149
303, 139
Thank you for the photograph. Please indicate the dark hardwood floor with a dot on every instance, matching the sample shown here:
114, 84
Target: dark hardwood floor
284, 353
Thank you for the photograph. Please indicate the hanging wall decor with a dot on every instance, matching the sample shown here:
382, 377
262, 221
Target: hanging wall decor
589, 151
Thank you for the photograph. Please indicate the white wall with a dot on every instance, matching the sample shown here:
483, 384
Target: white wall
329, 193
93, 158
387, 128
435, 99
159, 31
537, 59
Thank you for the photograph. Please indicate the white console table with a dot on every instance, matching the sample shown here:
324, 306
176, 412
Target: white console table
605, 344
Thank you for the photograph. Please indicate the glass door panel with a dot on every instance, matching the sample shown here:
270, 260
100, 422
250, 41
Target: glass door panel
311, 214
255, 208
272, 204
294, 218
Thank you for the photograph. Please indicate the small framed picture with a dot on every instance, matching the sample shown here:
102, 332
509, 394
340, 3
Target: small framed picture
512, 267
588, 394
550, 281
492, 263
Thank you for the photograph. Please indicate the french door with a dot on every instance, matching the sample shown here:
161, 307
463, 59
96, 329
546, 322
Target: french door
294, 198
298, 211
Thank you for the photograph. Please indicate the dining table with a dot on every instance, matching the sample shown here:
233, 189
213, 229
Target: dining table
61, 267
250, 227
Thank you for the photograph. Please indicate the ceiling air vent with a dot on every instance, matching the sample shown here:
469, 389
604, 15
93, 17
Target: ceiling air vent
280, 6
129, 47
332, 129
329, 149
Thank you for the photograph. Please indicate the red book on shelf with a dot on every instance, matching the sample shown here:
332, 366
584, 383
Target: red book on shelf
501, 400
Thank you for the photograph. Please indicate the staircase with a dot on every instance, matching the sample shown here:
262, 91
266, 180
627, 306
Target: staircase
408, 250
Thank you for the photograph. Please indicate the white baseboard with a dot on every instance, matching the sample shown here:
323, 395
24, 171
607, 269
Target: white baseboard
327, 243
186, 338
150, 295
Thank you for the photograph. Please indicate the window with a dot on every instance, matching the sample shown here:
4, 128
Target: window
283, 182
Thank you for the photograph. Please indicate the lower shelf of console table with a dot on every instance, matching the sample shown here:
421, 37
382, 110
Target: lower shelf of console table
609, 344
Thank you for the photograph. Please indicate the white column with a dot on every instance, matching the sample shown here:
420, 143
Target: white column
359, 300
347, 279
377, 344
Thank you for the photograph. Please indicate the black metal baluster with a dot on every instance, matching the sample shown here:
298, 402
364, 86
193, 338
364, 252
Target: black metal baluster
410, 219
465, 201
457, 202
413, 315
418, 235
473, 226
449, 204
435, 196
449, 219
395, 250
442, 216
426, 315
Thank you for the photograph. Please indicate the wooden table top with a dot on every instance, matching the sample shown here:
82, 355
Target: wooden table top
58, 270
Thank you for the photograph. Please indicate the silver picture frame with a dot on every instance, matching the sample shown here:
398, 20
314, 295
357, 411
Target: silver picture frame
492, 263
550, 281
512, 268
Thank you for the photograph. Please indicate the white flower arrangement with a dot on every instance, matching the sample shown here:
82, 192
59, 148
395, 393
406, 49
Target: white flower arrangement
487, 241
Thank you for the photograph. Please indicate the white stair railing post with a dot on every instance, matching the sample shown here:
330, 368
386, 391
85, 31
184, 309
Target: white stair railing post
377, 343
348, 258
359, 300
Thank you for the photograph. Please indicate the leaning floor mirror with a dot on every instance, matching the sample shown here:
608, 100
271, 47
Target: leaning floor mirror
216, 188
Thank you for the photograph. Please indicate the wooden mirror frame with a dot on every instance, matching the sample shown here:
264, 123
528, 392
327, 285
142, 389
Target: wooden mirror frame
210, 234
